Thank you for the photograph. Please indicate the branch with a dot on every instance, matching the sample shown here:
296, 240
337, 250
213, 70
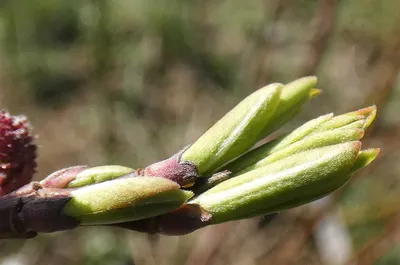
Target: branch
214, 180
33, 210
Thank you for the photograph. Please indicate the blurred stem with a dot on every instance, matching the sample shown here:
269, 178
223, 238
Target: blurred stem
103, 69
379, 245
323, 24
382, 76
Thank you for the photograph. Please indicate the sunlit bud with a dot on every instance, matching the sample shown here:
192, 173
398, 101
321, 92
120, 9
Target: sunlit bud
125, 199
236, 132
310, 176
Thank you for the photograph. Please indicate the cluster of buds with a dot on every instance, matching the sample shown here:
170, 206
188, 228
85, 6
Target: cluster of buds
217, 179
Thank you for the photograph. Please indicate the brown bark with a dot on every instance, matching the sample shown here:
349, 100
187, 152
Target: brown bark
32, 210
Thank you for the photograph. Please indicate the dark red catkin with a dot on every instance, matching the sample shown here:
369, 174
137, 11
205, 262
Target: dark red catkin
17, 152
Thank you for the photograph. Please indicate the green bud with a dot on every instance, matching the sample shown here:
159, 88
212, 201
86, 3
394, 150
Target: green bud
365, 157
125, 199
366, 116
236, 132
98, 174
282, 164
369, 113
339, 121
261, 192
301, 132
356, 124
325, 130
265, 154
292, 98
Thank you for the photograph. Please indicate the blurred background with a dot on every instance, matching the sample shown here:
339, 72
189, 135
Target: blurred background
132, 82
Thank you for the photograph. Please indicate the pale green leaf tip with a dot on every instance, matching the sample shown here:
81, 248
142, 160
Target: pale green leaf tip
370, 113
365, 157
314, 92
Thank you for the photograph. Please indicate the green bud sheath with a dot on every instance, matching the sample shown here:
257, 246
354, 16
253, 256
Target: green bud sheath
98, 174
263, 155
258, 192
125, 199
367, 115
282, 164
325, 130
236, 132
301, 132
281, 142
365, 157
292, 98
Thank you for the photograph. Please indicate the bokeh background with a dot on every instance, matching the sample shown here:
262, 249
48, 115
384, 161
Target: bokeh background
132, 82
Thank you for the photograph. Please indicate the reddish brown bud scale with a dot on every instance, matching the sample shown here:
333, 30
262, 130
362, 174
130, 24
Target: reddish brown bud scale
182, 221
17, 153
61, 178
182, 172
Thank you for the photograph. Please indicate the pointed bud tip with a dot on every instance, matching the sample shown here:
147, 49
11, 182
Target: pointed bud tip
374, 152
314, 92
369, 113
377, 151
371, 153
370, 116
366, 111
365, 157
